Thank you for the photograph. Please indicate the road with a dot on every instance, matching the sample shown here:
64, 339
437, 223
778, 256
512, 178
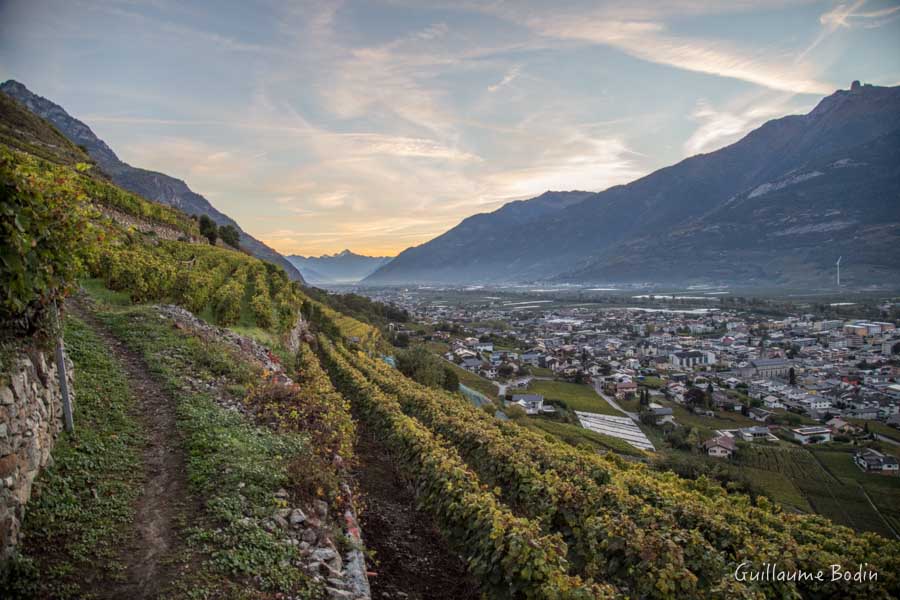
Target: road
883, 438
633, 416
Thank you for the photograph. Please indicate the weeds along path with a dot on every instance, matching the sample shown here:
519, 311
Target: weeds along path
412, 560
164, 498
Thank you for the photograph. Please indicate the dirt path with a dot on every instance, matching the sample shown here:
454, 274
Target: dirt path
412, 560
163, 499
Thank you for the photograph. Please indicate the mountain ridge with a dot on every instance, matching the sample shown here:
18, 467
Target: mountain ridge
152, 185
338, 268
574, 242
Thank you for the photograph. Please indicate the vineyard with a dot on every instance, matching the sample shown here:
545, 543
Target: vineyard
534, 517
619, 527
828, 482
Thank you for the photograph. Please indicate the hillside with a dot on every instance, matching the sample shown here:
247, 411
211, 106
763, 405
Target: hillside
343, 267
148, 184
700, 221
206, 463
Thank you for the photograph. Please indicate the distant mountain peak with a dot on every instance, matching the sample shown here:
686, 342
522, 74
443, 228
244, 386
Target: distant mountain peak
343, 267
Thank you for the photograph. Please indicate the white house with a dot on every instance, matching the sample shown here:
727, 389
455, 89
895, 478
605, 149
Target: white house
812, 435
721, 446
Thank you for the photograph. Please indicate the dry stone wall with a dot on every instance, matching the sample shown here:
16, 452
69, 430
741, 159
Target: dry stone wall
31, 417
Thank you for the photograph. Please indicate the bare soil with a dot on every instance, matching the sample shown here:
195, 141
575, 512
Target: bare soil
411, 558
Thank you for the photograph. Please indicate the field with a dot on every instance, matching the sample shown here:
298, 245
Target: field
722, 420
575, 396
879, 428
831, 484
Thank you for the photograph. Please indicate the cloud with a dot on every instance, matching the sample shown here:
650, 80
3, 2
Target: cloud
510, 76
849, 16
649, 41
721, 127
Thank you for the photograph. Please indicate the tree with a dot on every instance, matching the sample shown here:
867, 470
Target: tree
422, 366
208, 229
792, 376
451, 380
695, 397
230, 235
401, 340
506, 370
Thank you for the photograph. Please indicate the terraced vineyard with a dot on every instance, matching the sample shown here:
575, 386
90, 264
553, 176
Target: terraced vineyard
619, 527
828, 482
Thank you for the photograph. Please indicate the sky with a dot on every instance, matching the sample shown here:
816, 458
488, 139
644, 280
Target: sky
375, 126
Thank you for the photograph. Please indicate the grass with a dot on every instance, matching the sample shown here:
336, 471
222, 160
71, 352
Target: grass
476, 382
722, 420
883, 490
829, 484
576, 435
654, 383
574, 395
233, 465
542, 372
82, 506
879, 428
97, 289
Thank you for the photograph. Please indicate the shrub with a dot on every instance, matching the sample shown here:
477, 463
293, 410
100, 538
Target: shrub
45, 223
227, 309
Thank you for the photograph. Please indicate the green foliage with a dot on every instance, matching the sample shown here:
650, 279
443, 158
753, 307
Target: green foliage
510, 554
451, 380
227, 307
360, 307
261, 303
208, 229
230, 235
48, 237
422, 366
83, 504
610, 512
234, 466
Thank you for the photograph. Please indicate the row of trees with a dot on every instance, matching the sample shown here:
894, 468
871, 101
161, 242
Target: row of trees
212, 232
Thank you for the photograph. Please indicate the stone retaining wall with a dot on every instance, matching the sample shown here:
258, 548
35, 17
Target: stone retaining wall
31, 417
165, 232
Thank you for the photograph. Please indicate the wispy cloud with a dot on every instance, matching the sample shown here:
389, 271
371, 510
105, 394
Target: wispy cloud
851, 15
648, 40
510, 76
720, 127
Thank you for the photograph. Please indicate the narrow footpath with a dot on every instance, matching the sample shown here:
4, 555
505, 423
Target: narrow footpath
163, 502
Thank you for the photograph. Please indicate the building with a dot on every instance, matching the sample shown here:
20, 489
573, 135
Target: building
759, 414
532, 403
812, 435
839, 425
691, 358
757, 433
770, 367
872, 460
661, 414
721, 446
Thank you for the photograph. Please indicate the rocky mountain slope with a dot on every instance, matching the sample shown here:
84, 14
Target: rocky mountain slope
343, 267
752, 212
149, 184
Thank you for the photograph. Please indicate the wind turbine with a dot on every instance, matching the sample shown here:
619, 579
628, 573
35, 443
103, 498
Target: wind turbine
838, 265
